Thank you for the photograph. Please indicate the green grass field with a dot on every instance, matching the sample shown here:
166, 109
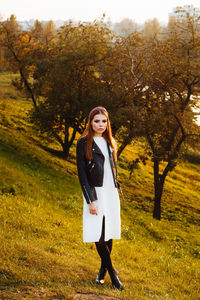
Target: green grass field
42, 255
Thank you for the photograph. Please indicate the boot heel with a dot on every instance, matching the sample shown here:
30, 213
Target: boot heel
101, 276
115, 280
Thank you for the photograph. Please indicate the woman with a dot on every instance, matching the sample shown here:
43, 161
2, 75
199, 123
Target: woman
97, 171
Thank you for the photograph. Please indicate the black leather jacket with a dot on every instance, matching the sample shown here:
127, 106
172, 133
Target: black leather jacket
90, 172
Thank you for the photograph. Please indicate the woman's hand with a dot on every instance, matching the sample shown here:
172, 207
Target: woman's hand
93, 208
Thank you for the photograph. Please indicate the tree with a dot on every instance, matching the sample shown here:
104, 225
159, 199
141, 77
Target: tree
151, 29
60, 75
121, 78
22, 50
125, 27
167, 117
49, 31
37, 30
156, 82
69, 82
11, 25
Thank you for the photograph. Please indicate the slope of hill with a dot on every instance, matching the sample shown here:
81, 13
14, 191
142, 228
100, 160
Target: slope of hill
42, 254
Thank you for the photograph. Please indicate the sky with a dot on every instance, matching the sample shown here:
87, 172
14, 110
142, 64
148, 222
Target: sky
89, 10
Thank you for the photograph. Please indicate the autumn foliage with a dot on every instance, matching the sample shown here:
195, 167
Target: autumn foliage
149, 82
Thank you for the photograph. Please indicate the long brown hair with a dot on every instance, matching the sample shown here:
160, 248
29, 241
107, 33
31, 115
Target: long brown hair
107, 134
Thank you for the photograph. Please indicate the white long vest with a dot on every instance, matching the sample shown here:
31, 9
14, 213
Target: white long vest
108, 204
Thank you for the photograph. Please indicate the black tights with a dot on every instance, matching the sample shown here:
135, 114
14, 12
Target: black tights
104, 249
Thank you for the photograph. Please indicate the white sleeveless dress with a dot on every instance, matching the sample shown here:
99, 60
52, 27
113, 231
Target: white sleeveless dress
108, 205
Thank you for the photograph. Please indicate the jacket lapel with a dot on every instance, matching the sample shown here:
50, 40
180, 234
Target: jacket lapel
96, 149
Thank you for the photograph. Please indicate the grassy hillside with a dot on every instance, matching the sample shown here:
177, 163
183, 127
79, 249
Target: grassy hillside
42, 254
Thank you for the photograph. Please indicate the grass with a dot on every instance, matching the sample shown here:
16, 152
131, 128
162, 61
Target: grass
42, 254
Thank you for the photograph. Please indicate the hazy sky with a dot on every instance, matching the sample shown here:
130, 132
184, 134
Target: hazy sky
88, 10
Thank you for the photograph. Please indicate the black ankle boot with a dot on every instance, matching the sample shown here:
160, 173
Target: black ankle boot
115, 280
101, 275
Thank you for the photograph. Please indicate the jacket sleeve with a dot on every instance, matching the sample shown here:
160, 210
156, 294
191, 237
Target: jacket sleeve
118, 184
82, 174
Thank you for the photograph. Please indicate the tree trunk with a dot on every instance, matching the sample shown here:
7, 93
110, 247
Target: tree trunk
122, 147
64, 145
157, 202
28, 88
126, 142
65, 150
158, 190
68, 141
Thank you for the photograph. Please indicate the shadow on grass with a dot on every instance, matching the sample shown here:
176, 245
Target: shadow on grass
57, 153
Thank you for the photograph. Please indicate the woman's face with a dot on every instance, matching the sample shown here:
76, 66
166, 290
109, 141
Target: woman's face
99, 124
